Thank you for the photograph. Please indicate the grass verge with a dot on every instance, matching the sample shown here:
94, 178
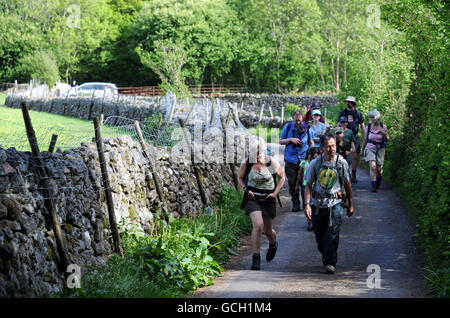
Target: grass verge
178, 257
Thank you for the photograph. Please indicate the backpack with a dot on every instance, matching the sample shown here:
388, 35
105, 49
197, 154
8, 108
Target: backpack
339, 166
381, 143
248, 167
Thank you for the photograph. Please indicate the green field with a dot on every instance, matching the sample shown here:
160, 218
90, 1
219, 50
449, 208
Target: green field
71, 131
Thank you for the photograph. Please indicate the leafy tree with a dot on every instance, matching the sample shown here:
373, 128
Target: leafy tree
40, 64
205, 28
16, 41
167, 61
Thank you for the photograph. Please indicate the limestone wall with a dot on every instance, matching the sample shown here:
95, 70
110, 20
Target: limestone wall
28, 254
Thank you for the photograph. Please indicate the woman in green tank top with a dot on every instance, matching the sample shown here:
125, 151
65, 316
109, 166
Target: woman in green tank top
261, 192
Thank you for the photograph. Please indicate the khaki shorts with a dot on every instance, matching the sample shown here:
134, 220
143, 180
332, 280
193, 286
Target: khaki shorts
373, 154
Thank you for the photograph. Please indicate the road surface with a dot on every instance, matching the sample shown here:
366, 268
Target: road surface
376, 239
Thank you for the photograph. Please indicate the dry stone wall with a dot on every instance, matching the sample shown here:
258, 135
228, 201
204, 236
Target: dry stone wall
28, 254
142, 107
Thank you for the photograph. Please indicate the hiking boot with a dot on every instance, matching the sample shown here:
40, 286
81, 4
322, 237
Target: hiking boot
310, 226
271, 252
374, 187
378, 182
256, 262
353, 178
330, 269
295, 204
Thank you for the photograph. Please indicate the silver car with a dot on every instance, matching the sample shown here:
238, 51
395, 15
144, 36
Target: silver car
96, 89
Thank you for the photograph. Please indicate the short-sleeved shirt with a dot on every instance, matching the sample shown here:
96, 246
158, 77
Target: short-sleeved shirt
326, 177
375, 135
317, 131
305, 165
295, 154
349, 135
354, 119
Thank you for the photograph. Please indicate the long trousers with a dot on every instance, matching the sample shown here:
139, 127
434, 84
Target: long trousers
291, 171
326, 226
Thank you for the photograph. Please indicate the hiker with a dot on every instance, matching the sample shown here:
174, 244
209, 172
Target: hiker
297, 138
308, 117
343, 146
354, 120
323, 203
374, 147
257, 178
317, 127
313, 153
348, 133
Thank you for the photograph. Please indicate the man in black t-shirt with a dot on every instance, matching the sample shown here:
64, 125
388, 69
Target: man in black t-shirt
355, 120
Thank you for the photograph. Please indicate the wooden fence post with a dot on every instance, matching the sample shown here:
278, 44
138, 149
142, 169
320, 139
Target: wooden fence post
51, 148
261, 113
174, 104
47, 189
190, 112
212, 111
196, 170
107, 188
233, 172
151, 168
282, 116
270, 111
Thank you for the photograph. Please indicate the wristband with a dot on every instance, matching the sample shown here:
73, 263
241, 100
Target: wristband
306, 203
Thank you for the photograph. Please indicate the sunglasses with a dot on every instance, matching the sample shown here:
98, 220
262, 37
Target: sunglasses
338, 133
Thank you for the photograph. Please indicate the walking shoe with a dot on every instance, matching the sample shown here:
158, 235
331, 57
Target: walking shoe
378, 182
329, 269
256, 262
353, 178
295, 208
310, 226
271, 252
374, 187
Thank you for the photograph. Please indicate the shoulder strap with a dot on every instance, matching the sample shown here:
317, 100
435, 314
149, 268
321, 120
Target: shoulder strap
248, 166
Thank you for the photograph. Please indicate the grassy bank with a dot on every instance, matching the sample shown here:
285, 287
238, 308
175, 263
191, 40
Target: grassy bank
178, 257
71, 131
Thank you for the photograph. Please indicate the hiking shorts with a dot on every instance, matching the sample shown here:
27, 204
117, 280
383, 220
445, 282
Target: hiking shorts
374, 154
268, 207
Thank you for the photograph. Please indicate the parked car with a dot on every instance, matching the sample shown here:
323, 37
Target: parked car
98, 89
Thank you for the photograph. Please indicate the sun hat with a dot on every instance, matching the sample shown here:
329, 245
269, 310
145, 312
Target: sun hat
338, 129
351, 99
316, 112
343, 119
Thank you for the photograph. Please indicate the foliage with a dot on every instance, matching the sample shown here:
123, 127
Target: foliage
40, 65
167, 61
420, 158
290, 109
178, 256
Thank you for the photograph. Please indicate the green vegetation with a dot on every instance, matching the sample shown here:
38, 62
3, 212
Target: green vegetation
390, 55
419, 156
178, 256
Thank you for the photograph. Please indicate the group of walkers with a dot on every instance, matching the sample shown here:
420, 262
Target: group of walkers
320, 166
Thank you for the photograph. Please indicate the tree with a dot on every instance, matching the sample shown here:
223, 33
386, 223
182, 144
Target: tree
39, 64
206, 29
167, 60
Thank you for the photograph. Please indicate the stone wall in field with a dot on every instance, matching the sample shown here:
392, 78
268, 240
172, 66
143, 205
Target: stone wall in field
248, 106
28, 254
